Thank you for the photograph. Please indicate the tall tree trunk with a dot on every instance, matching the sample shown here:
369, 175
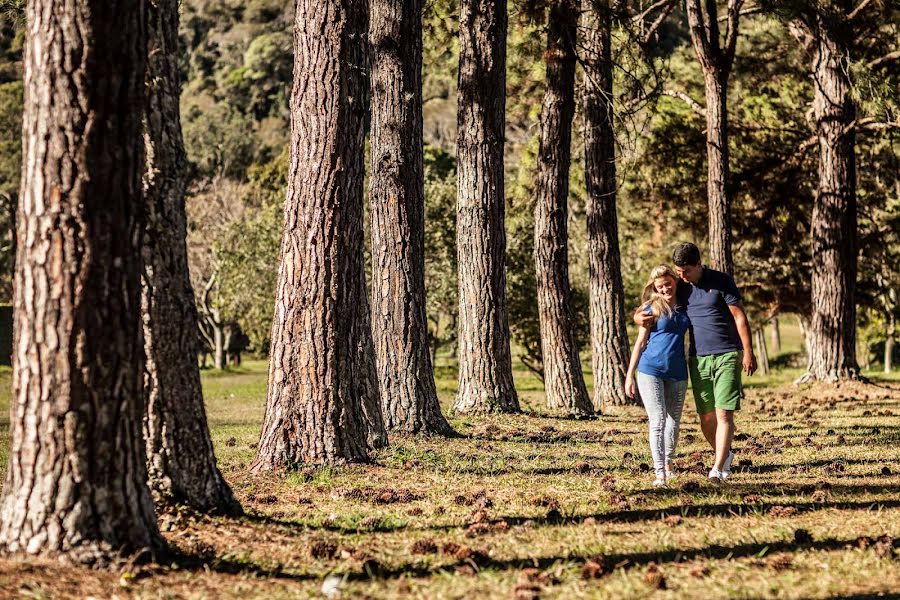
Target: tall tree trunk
762, 352
832, 332
776, 336
889, 350
609, 338
219, 346
716, 59
563, 379
77, 480
485, 364
397, 196
890, 305
322, 381
181, 463
718, 174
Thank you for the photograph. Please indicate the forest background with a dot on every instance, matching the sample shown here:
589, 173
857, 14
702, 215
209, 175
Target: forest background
236, 61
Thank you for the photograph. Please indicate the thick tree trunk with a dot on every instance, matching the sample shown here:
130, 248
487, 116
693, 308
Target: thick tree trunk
563, 379
397, 200
77, 480
776, 336
718, 193
716, 58
322, 381
485, 364
609, 338
181, 464
832, 332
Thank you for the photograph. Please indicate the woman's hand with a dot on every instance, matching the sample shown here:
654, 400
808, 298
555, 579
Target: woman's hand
629, 386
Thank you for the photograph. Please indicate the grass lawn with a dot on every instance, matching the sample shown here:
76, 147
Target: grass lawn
533, 506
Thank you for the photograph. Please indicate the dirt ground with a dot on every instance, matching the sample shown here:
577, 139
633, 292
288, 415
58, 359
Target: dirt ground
531, 506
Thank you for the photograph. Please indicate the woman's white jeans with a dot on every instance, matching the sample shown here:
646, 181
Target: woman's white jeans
663, 401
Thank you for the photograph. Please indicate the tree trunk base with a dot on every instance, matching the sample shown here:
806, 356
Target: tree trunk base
844, 374
485, 406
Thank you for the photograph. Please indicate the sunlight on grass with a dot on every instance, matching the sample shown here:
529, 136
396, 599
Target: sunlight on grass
565, 507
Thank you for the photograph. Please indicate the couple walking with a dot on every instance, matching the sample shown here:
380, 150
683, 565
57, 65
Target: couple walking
708, 304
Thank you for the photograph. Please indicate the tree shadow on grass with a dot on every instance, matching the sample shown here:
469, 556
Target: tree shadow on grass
372, 570
698, 510
555, 518
225, 566
809, 464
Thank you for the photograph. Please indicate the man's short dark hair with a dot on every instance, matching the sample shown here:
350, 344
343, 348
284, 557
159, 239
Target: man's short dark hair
686, 254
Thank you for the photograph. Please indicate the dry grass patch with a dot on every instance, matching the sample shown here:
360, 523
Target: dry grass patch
532, 506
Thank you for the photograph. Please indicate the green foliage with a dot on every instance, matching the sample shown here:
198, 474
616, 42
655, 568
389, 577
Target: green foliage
219, 141
440, 247
248, 250
11, 106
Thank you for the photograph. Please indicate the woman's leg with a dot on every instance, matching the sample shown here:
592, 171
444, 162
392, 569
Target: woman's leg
675, 391
652, 391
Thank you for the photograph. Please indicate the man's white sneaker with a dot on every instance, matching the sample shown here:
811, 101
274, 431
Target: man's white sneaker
716, 475
726, 466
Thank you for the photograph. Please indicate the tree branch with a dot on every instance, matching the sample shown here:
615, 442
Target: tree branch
659, 4
753, 10
881, 60
654, 27
693, 104
731, 31
698, 30
859, 8
207, 305
870, 124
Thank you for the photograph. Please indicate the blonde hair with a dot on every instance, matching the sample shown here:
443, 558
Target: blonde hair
658, 304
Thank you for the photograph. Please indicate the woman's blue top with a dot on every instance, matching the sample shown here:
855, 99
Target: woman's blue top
663, 357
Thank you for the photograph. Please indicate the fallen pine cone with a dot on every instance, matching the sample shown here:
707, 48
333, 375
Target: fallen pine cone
654, 578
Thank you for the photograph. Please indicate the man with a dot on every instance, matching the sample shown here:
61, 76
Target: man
720, 348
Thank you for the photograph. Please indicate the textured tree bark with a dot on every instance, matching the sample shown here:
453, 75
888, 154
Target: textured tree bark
832, 332
181, 464
397, 200
485, 363
718, 173
716, 60
563, 379
776, 336
322, 382
609, 338
76, 487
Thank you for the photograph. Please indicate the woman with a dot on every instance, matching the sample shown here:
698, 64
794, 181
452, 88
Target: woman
658, 359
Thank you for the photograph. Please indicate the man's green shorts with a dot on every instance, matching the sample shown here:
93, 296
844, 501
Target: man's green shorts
716, 381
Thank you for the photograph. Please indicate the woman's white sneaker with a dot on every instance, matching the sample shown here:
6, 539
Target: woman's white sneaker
716, 475
659, 482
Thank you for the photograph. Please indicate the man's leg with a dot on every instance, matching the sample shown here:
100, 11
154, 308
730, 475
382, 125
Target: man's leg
708, 424
703, 386
727, 391
724, 434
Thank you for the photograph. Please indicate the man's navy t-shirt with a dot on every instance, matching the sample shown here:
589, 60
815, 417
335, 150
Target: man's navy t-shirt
713, 330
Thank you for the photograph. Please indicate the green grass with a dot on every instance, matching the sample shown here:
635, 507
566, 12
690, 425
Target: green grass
529, 505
